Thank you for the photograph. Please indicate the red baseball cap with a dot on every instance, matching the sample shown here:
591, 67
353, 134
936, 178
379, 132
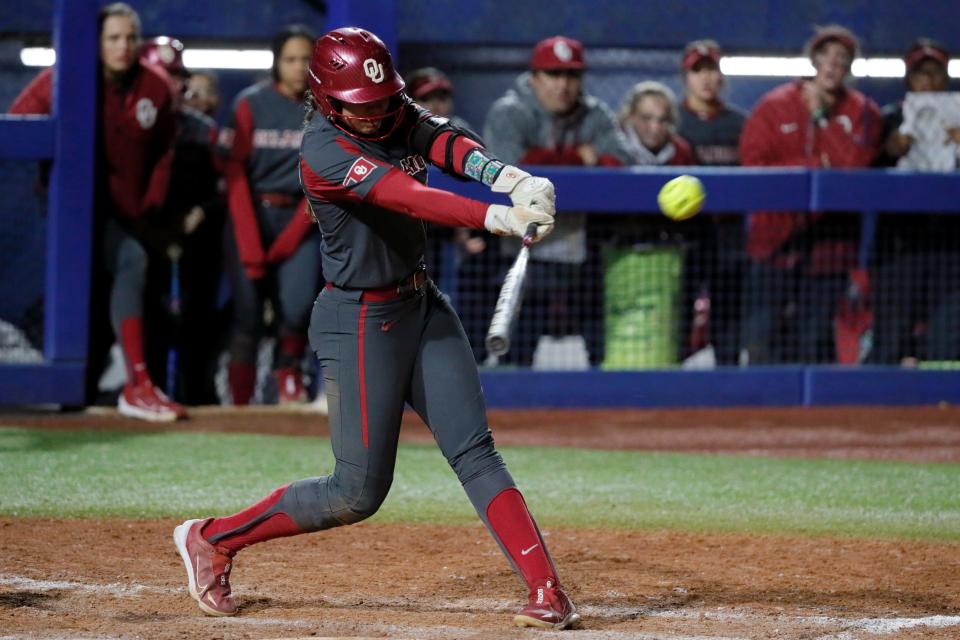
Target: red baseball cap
925, 49
558, 53
698, 52
425, 81
834, 33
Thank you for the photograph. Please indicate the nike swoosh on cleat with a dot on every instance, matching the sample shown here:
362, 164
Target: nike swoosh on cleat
524, 552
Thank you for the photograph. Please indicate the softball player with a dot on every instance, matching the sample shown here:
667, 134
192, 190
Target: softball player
276, 252
382, 330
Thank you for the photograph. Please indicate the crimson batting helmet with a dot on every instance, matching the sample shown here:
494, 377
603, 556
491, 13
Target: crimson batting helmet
353, 66
165, 52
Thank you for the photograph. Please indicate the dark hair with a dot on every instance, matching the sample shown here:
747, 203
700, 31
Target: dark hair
117, 9
280, 38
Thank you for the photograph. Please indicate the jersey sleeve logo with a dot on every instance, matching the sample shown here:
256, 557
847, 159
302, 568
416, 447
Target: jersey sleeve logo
360, 169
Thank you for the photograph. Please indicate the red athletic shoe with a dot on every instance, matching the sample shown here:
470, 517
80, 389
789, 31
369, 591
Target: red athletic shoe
549, 608
290, 386
147, 402
208, 569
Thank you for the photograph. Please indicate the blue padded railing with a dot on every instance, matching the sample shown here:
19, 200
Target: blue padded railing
67, 138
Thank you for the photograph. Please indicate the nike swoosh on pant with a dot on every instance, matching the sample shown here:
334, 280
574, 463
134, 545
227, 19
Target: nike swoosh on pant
524, 552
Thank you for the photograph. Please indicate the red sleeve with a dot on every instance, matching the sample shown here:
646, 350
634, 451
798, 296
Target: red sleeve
608, 160
399, 192
859, 146
164, 135
461, 147
36, 96
684, 153
292, 235
239, 198
560, 156
758, 141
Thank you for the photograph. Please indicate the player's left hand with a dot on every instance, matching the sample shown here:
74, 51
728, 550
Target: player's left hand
526, 190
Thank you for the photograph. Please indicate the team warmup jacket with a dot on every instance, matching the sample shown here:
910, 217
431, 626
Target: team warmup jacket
259, 153
137, 125
781, 133
371, 198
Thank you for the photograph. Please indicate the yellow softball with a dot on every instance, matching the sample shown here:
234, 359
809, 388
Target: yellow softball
681, 198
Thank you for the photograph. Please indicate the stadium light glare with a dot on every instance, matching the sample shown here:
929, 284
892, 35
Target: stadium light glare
37, 56
192, 58
757, 66
227, 58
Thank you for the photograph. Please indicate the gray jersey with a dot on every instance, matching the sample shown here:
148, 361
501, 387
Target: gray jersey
714, 140
264, 132
363, 245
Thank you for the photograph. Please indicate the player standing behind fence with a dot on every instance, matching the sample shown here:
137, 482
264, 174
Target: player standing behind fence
193, 215
916, 257
383, 332
801, 260
715, 268
547, 118
276, 253
136, 124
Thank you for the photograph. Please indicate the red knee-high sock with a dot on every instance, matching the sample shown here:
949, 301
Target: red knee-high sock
292, 346
242, 378
131, 340
512, 523
249, 527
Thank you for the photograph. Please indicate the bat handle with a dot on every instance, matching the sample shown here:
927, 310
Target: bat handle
530, 234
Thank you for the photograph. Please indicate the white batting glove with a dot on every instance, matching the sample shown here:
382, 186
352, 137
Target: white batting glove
513, 221
526, 190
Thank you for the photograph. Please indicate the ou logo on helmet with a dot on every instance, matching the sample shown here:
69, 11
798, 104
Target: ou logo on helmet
373, 70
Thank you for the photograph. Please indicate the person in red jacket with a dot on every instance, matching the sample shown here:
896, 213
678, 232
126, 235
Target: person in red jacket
801, 260
276, 253
137, 125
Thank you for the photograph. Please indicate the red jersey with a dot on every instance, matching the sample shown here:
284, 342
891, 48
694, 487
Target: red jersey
781, 133
137, 123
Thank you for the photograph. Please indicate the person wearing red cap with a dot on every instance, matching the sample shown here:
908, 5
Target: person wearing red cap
913, 248
547, 118
714, 269
137, 124
801, 260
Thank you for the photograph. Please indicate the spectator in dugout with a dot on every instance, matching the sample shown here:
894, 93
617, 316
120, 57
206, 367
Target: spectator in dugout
476, 269
649, 118
916, 260
801, 261
714, 266
193, 215
276, 248
546, 118
203, 93
136, 125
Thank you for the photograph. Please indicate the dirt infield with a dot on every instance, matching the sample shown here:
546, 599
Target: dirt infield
117, 578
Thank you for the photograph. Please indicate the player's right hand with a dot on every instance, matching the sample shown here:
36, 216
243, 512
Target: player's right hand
513, 221
526, 190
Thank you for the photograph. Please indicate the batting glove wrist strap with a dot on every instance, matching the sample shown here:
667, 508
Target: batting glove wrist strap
525, 190
513, 221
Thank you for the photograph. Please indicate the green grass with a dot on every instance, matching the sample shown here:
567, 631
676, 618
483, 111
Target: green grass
85, 474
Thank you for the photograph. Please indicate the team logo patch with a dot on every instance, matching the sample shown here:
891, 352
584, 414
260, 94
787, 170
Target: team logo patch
360, 169
563, 51
373, 70
413, 165
146, 113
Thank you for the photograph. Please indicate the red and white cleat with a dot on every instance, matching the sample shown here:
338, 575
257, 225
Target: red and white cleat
549, 608
208, 569
146, 402
290, 386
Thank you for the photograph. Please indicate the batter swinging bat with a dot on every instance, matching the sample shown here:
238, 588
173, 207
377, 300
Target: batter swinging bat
511, 297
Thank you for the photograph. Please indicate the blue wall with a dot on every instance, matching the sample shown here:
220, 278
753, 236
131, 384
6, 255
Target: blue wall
777, 25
